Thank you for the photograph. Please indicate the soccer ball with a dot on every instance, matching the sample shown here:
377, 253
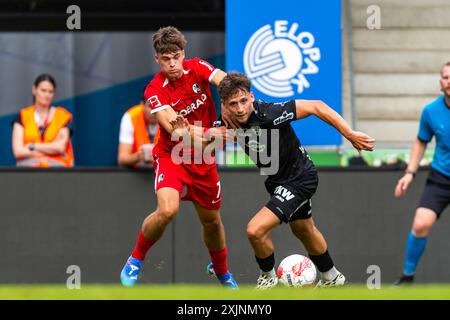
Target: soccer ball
297, 271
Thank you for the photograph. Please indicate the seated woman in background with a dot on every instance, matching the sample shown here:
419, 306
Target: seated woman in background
41, 132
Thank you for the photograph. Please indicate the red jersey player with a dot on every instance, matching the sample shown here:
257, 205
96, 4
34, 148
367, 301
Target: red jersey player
181, 87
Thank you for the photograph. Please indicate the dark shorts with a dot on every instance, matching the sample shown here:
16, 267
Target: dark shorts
291, 200
436, 194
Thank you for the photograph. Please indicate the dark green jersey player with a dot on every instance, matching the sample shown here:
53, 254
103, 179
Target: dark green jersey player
264, 132
264, 128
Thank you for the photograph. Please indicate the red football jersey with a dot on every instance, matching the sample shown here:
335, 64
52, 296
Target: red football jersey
189, 96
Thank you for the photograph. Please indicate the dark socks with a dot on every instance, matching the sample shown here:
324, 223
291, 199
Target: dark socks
266, 264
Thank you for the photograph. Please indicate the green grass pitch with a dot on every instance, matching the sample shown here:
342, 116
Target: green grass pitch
214, 292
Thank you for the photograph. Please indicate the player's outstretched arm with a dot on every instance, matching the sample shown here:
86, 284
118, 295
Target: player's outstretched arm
359, 140
200, 137
218, 77
164, 116
176, 125
417, 152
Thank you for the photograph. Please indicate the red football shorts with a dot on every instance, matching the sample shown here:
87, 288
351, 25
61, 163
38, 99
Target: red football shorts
202, 188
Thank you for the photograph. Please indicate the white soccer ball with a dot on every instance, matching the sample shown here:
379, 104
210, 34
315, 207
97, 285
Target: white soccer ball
297, 271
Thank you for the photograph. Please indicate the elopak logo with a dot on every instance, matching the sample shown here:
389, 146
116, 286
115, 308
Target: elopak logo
277, 60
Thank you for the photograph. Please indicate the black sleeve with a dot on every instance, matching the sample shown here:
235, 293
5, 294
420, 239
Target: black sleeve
276, 114
17, 119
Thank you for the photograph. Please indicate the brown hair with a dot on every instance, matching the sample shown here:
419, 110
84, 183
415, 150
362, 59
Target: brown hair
168, 40
445, 65
232, 84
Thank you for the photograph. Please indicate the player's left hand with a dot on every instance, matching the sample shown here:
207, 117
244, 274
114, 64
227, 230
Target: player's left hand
180, 127
361, 141
179, 122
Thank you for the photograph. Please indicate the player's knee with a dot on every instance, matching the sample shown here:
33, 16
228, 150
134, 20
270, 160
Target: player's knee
212, 225
167, 213
255, 233
421, 228
423, 221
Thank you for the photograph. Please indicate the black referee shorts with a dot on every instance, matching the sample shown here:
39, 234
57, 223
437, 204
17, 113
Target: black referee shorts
291, 201
436, 194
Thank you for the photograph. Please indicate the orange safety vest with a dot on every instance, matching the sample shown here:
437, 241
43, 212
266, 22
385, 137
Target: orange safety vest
31, 135
141, 135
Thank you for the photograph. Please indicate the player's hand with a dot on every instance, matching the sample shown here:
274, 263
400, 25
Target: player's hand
222, 133
361, 141
180, 126
230, 122
402, 185
179, 122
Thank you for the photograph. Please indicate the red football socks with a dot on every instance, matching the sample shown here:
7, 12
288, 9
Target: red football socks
219, 261
142, 247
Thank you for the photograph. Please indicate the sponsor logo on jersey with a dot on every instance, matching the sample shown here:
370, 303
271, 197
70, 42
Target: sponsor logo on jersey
175, 103
154, 101
283, 118
193, 106
279, 57
161, 178
284, 193
217, 123
196, 88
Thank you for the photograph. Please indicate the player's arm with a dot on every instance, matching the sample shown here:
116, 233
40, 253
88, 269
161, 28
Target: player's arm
200, 137
218, 77
164, 117
178, 127
417, 152
359, 140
